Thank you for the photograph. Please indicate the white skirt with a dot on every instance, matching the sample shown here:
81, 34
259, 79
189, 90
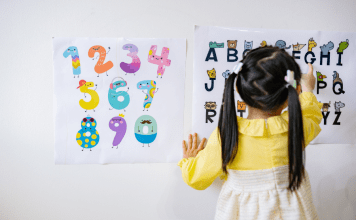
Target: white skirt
264, 194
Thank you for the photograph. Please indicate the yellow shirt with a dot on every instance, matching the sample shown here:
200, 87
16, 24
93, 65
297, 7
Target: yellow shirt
259, 146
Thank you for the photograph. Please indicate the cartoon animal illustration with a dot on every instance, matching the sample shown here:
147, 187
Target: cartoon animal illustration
342, 46
150, 87
320, 76
212, 73
298, 47
282, 44
73, 51
326, 106
248, 45
241, 106
231, 44
326, 48
311, 44
94, 101
264, 43
162, 61
145, 129
336, 78
216, 45
118, 125
88, 137
134, 66
118, 99
210, 105
226, 74
100, 66
338, 105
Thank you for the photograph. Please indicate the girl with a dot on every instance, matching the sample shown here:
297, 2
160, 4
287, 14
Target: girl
261, 157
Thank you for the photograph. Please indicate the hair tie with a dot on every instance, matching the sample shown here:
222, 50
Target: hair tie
290, 79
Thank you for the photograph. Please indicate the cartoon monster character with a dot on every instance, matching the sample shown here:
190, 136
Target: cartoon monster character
282, 44
248, 45
338, 105
210, 105
336, 78
145, 129
162, 61
326, 106
150, 87
73, 51
226, 74
84, 88
298, 47
320, 76
212, 73
134, 66
231, 44
342, 46
264, 43
311, 44
100, 66
326, 48
118, 99
88, 137
118, 125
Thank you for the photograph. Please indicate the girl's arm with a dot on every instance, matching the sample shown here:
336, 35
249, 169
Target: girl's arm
200, 172
312, 116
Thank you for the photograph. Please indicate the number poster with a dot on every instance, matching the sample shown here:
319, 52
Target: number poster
332, 54
118, 100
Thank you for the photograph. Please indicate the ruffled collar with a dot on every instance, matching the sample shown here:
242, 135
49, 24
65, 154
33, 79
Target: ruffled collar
257, 127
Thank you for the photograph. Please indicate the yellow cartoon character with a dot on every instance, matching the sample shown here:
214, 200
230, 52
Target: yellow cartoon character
311, 44
94, 101
264, 43
212, 73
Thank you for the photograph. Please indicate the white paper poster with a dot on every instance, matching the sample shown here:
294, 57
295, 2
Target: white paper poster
118, 100
333, 54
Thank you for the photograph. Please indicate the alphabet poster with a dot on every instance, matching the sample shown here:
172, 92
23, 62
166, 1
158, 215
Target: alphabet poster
333, 55
118, 100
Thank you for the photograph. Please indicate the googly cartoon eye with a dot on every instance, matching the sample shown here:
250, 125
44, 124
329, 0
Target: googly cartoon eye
91, 119
85, 119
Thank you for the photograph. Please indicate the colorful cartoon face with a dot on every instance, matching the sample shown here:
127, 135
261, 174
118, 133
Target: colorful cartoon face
146, 84
326, 106
327, 47
85, 87
320, 76
73, 51
130, 47
282, 44
88, 123
145, 129
162, 61
338, 105
118, 84
311, 44
264, 43
210, 105
212, 73
231, 44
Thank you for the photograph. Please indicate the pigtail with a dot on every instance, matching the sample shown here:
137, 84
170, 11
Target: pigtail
295, 140
227, 125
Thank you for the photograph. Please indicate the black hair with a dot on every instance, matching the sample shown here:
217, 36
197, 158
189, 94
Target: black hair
261, 84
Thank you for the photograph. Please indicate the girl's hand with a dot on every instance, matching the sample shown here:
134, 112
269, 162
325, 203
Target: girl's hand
308, 80
193, 149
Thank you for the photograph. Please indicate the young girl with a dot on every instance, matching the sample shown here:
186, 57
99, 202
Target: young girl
261, 157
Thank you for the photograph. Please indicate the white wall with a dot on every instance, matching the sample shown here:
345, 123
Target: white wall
32, 187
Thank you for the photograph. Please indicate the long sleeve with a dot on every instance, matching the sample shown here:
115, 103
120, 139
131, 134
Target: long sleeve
312, 116
200, 172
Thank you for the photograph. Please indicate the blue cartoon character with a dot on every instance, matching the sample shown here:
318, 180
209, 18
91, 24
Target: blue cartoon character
326, 48
145, 129
282, 44
150, 87
88, 137
226, 74
118, 99
73, 51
